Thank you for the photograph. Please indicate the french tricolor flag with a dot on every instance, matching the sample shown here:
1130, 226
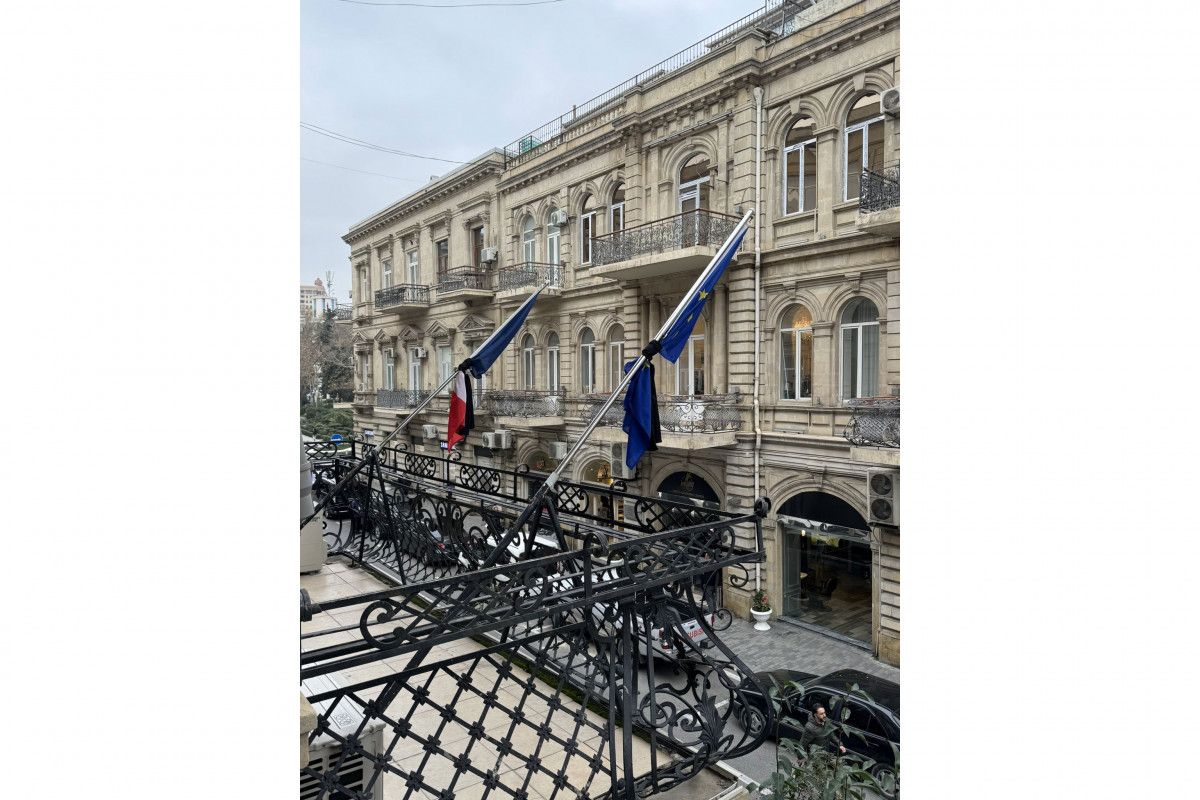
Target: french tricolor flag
462, 411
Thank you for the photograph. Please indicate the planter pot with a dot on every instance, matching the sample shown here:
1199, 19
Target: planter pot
760, 619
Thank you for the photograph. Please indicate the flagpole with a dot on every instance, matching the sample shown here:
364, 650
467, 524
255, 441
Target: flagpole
375, 449
642, 359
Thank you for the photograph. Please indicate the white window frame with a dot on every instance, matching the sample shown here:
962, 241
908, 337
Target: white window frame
414, 267
795, 333
364, 284
858, 126
858, 355
552, 366
389, 369
414, 369
587, 231
529, 241
616, 210
386, 264
587, 365
445, 362
688, 356
553, 244
529, 362
809, 145
616, 361
692, 189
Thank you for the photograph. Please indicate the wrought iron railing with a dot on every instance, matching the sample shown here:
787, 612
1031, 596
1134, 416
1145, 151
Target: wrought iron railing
691, 228
342, 312
458, 280
879, 190
404, 294
400, 398
709, 413
605, 107
875, 422
524, 403
531, 274
512, 671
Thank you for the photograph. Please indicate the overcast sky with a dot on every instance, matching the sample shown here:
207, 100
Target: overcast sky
453, 83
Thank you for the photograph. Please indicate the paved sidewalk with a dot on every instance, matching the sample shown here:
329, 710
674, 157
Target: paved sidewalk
791, 647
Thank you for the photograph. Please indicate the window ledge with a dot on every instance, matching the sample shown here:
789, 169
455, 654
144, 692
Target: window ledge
845, 204
796, 215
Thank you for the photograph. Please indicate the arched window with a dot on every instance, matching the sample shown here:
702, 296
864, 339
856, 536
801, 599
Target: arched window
527, 360
616, 355
689, 369
860, 349
552, 250
587, 229
800, 168
528, 240
795, 354
693, 184
587, 360
863, 142
552, 362
616, 210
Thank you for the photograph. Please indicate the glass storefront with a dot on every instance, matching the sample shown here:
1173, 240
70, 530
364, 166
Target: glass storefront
827, 576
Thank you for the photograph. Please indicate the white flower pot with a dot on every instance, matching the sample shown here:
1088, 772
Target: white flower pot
760, 620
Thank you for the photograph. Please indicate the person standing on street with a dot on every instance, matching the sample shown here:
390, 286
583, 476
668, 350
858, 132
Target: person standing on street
819, 730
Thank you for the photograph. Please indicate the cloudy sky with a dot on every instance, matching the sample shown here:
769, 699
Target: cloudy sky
452, 83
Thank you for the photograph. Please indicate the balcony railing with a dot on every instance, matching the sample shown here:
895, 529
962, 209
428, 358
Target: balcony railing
406, 294
710, 413
342, 313
880, 190
530, 275
493, 666
689, 229
464, 280
400, 398
524, 403
875, 423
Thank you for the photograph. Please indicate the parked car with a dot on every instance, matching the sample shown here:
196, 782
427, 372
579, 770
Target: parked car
877, 719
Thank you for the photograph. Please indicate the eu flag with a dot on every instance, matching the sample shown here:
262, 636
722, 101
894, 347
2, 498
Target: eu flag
676, 338
641, 414
489, 351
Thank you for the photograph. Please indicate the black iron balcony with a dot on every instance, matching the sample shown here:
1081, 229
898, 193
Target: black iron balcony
342, 313
525, 404
500, 663
879, 201
875, 422
687, 422
406, 295
400, 398
465, 282
525, 279
674, 244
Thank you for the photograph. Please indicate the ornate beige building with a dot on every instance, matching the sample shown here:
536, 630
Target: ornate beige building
790, 385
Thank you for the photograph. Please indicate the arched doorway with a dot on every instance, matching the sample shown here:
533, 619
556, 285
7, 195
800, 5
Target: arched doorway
539, 469
688, 487
826, 565
599, 471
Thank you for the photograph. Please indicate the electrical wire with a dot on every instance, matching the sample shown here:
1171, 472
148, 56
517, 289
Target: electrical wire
341, 137
451, 5
363, 171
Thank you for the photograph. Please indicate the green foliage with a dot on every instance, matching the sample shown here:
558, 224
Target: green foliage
321, 420
759, 601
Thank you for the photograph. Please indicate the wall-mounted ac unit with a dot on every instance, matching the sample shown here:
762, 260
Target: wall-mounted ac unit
490, 254
558, 217
503, 439
489, 440
883, 489
617, 459
420, 352
891, 102
559, 450
429, 431
324, 751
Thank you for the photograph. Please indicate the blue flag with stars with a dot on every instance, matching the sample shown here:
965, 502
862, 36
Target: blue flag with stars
676, 338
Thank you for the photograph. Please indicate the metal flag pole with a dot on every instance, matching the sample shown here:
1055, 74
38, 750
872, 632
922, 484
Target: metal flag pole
374, 450
539, 496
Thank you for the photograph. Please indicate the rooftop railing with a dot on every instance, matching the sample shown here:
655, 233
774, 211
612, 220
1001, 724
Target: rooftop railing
689, 229
403, 294
512, 667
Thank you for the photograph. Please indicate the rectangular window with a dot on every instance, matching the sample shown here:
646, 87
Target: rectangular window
444, 367
414, 369
389, 370
529, 367
414, 268
587, 229
616, 364
849, 363
443, 258
800, 177
552, 369
860, 157
795, 364
477, 246
617, 220
387, 273
587, 368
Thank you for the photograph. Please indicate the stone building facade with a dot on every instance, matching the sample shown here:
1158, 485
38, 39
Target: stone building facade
790, 387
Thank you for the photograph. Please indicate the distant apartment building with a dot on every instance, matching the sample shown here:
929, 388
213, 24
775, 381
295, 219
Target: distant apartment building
789, 387
312, 297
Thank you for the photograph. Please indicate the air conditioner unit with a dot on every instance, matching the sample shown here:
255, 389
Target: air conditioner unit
558, 218
891, 102
559, 450
617, 460
504, 440
490, 254
883, 491
489, 440
429, 431
324, 751
420, 352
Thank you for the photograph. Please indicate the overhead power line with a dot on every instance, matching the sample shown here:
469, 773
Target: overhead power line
451, 5
341, 137
363, 171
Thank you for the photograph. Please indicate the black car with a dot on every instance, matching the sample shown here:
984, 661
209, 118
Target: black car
877, 719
